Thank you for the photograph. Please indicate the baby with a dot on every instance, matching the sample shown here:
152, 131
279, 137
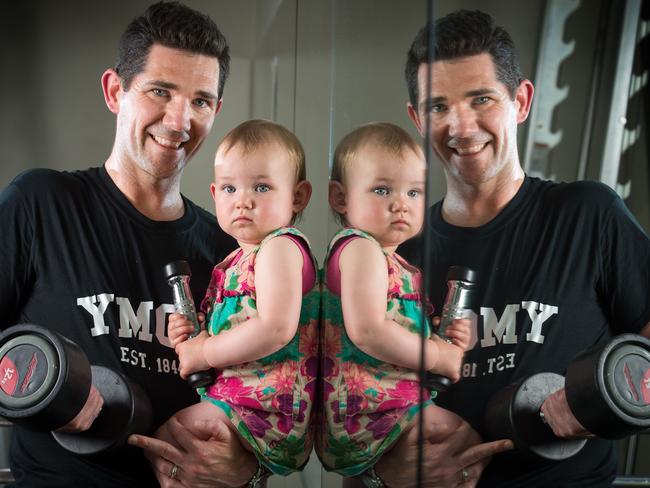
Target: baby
261, 304
372, 307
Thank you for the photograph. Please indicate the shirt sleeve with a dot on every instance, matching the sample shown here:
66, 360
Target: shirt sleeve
626, 269
16, 238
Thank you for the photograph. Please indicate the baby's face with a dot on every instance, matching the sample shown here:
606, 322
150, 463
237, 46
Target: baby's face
384, 194
253, 192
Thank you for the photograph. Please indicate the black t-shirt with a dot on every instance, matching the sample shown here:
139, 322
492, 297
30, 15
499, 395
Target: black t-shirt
562, 267
78, 258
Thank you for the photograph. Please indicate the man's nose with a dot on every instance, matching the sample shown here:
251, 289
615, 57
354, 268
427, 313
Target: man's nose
461, 121
177, 115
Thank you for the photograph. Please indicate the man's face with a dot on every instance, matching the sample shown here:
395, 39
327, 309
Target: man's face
473, 118
167, 112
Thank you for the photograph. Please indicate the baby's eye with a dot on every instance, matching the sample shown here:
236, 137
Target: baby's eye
381, 190
261, 188
228, 189
414, 193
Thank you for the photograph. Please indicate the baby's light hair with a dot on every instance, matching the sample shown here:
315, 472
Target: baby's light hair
384, 135
256, 133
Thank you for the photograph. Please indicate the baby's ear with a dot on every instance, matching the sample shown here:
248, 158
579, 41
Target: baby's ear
336, 197
301, 196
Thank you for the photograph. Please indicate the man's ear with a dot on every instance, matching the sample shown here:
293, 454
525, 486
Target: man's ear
301, 196
112, 88
524, 99
415, 118
336, 197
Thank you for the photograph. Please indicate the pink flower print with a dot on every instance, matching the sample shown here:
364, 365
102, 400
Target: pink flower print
332, 345
214, 293
351, 422
309, 339
408, 390
285, 417
232, 391
256, 421
381, 423
278, 381
395, 282
360, 382
246, 279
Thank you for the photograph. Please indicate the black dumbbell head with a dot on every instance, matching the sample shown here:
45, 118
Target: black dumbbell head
461, 273
608, 388
45, 378
177, 268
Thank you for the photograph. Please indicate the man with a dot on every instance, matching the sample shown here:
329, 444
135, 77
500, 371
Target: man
83, 252
561, 266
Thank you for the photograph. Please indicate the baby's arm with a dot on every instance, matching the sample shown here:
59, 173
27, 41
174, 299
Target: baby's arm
364, 286
278, 284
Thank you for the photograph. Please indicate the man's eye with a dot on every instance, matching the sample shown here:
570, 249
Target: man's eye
262, 188
159, 92
481, 100
382, 191
201, 103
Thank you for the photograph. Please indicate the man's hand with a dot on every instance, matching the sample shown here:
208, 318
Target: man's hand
453, 456
87, 415
208, 455
560, 418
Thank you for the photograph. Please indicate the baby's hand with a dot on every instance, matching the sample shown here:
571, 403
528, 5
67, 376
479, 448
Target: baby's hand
190, 355
180, 327
459, 332
450, 359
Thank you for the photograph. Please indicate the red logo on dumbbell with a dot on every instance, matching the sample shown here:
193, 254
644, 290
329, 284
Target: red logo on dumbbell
9, 376
645, 386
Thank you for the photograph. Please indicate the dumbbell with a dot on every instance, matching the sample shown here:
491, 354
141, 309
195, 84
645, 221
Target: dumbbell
460, 287
607, 388
178, 275
45, 380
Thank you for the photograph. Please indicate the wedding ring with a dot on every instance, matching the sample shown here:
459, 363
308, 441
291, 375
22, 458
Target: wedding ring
173, 472
464, 476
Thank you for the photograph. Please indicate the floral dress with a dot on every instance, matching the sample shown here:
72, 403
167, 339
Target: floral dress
367, 403
269, 400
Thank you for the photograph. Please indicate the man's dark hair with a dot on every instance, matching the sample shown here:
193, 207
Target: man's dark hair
172, 25
465, 33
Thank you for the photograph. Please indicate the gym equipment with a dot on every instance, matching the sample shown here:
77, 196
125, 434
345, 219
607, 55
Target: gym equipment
45, 380
607, 388
460, 284
178, 275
